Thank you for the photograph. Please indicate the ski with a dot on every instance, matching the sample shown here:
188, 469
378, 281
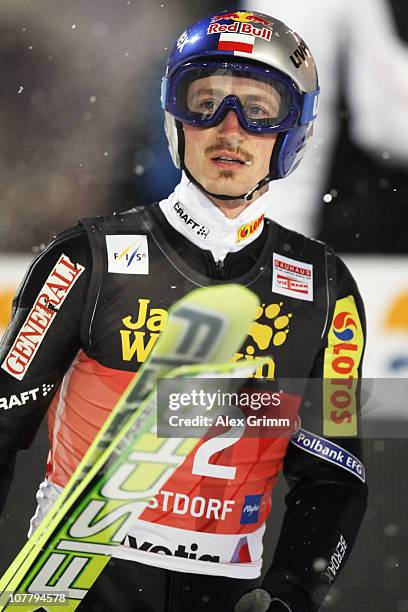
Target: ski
203, 327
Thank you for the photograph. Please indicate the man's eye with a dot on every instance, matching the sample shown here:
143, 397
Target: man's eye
256, 111
207, 105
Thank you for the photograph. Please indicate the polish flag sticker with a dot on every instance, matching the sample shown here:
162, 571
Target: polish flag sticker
242, 43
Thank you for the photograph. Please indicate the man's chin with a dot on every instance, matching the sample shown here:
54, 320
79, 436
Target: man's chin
226, 186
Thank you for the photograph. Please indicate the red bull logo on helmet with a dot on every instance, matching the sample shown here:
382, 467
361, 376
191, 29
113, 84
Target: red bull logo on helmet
242, 23
243, 17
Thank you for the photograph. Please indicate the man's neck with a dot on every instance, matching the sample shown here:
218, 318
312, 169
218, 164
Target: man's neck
233, 208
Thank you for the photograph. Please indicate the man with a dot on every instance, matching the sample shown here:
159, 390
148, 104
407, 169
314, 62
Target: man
239, 96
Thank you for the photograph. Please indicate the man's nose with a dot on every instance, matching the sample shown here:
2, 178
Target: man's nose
229, 130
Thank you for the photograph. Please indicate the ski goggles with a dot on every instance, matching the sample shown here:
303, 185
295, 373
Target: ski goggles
264, 100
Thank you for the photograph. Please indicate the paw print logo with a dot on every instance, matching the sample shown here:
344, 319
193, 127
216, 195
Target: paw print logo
273, 332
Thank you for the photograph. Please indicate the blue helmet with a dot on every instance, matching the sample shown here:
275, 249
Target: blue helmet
256, 46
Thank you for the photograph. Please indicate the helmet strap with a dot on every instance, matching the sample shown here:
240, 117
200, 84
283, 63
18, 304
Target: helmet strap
245, 196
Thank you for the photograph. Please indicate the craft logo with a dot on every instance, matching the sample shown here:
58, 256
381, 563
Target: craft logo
250, 509
181, 550
127, 254
292, 278
199, 230
46, 307
249, 229
340, 373
20, 399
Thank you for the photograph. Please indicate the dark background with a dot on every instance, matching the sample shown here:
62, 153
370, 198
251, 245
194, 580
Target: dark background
375, 578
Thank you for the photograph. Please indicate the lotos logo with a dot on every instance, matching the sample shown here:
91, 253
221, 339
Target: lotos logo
342, 326
247, 230
243, 17
250, 509
341, 360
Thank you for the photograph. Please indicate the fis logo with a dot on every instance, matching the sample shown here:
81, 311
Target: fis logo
343, 325
250, 509
127, 254
130, 253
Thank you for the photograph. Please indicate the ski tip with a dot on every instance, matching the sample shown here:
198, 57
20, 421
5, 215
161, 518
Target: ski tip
230, 297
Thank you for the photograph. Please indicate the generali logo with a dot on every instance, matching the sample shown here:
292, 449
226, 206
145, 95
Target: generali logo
46, 307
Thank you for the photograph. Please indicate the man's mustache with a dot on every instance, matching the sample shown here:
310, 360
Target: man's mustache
246, 157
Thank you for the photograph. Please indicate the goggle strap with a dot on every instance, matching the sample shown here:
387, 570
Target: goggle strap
309, 109
164, 88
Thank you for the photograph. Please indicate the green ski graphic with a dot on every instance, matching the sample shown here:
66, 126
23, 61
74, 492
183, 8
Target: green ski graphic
74, 542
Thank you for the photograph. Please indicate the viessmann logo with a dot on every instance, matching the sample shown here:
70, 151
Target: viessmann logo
249, 229
46, 307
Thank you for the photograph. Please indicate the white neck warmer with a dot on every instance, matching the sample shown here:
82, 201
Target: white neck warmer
193, 214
